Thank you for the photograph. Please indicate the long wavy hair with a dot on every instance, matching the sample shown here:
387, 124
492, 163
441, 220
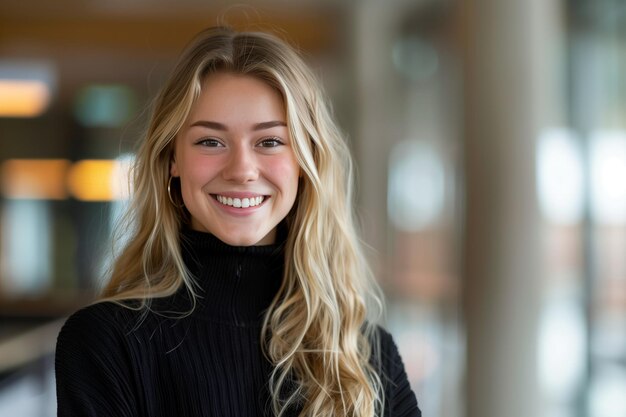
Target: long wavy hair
319, 332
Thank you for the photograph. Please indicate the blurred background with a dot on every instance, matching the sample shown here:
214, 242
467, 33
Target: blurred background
490, 138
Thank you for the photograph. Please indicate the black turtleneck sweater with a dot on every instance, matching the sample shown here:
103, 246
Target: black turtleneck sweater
117, 362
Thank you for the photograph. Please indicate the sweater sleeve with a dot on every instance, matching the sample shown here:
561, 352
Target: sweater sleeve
93, 372
401, 401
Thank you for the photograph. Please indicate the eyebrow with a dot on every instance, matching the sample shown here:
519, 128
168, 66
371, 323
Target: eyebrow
219, 126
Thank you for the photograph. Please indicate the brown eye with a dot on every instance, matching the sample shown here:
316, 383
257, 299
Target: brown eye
270, 143
209, 142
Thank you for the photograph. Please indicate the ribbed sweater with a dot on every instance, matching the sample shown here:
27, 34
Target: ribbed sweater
117, 362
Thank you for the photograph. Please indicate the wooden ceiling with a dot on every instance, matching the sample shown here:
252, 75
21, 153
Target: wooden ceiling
157, 26
125, 41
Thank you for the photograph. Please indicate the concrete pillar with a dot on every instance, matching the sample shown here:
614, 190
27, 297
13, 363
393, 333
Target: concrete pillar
381, 117
509, 98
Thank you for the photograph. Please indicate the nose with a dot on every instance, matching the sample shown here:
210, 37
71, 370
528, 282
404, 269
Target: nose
241, 166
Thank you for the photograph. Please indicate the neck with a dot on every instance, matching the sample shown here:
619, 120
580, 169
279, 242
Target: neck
237, 284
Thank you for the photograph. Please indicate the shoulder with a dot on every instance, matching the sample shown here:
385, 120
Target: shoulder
104, 313
400, 398
386, 351
93, 367
99, 324
94, 344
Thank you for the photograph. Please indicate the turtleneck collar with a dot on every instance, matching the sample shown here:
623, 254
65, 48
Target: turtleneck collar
237, 283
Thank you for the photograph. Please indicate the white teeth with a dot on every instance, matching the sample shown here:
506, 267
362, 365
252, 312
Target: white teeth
240, 202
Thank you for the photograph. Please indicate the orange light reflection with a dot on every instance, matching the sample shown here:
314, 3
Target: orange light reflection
42, 179
23, 98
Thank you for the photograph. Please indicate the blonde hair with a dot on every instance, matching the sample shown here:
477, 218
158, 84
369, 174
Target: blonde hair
317, 332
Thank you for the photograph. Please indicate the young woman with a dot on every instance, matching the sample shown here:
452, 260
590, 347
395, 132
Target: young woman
242, 290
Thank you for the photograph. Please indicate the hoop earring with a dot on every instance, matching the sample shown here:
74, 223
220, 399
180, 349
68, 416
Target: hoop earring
169, 194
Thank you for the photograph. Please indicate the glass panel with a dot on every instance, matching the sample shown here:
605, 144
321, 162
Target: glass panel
598, 90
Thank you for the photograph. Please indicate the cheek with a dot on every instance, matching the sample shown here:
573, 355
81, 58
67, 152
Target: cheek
196, 169
286, 172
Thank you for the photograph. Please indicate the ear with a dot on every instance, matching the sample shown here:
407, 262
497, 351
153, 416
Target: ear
174, 167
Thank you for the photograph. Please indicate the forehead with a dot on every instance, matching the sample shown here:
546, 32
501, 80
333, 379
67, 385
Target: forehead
235, 98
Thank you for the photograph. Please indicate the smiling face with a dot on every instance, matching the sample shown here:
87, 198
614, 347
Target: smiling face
237, 169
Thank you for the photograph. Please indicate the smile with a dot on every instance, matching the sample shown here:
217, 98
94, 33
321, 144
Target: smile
240, 202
